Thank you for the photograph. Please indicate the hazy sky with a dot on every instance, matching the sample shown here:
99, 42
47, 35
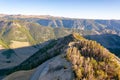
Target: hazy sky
100, 9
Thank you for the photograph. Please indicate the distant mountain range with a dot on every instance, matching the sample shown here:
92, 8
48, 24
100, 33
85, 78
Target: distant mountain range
97, 26
25, 36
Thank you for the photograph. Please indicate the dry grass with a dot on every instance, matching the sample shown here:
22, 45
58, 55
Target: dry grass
18, 44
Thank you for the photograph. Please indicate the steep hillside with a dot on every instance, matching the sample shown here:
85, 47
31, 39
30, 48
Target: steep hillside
96, 26
74, 56
91, 61
24, 31
51, 49
23, 39
109, 41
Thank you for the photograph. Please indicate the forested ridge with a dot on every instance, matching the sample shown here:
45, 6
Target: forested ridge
91, 61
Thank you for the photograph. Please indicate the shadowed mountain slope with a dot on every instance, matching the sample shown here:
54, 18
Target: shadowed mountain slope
109, 41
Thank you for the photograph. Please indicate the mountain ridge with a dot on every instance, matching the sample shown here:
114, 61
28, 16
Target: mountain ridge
43, 16
94, 25
78, 51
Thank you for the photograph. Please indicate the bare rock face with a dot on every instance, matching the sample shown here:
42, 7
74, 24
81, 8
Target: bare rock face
57, 68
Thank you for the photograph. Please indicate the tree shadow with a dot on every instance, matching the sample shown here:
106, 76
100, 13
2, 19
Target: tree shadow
49, 49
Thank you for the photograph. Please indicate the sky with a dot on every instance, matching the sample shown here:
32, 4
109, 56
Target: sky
88, 9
